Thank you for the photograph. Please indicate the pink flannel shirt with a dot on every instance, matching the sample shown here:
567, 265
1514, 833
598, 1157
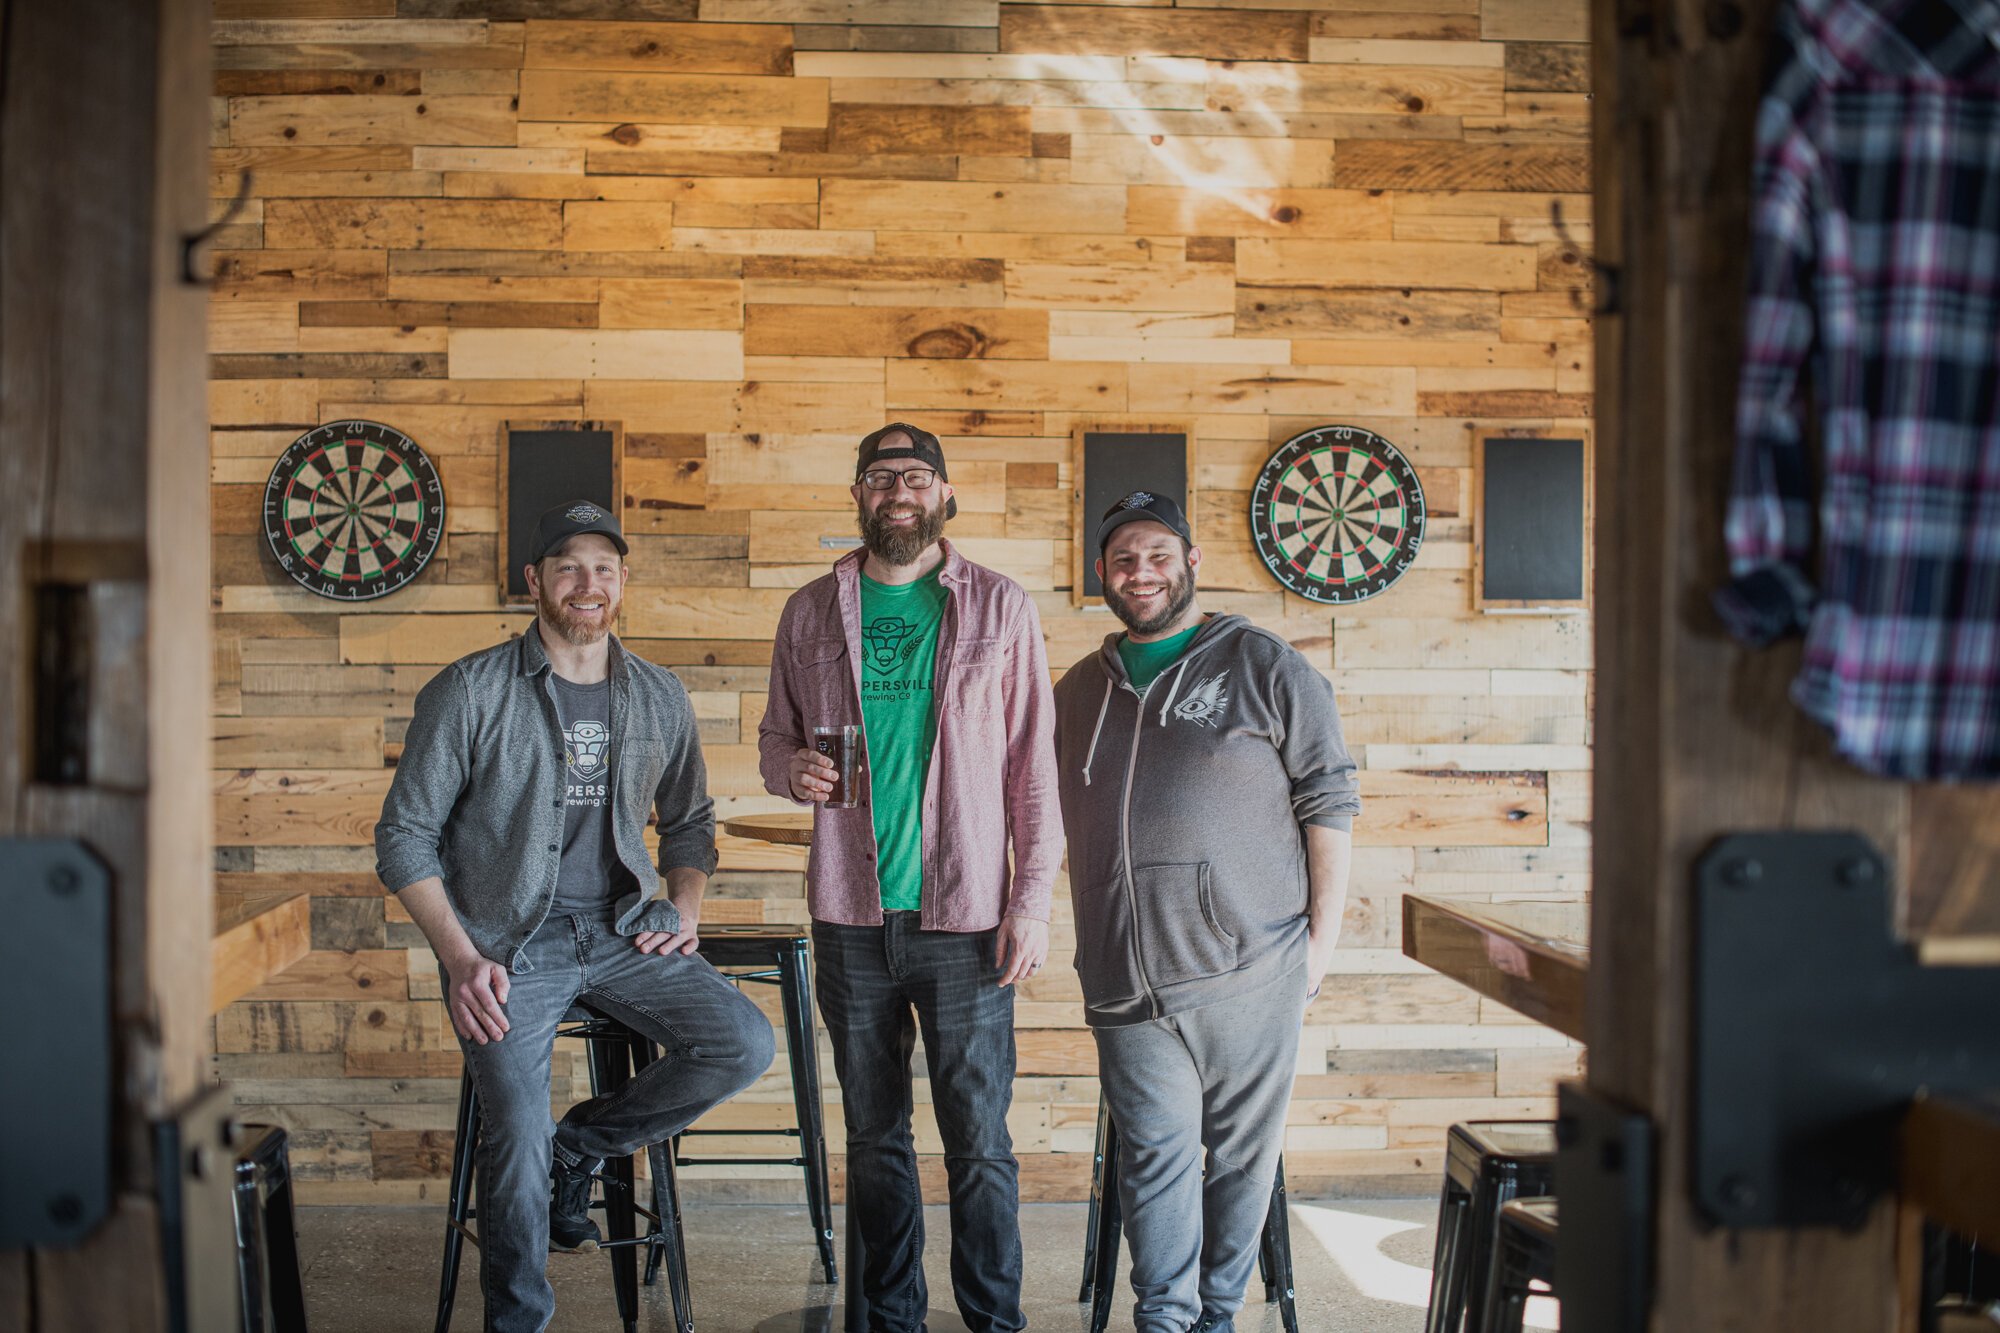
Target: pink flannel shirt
992, 776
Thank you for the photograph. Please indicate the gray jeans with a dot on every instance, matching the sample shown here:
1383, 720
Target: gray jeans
1214, 1080
714, 1043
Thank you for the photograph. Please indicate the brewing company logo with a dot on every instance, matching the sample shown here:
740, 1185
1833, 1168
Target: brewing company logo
1204, 702
884, 637
588, 742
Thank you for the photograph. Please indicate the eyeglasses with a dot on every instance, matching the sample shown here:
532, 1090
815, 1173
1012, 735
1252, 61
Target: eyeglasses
885, 479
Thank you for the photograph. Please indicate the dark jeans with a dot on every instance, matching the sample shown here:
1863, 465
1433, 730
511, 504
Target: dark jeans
877, 985
714, 1043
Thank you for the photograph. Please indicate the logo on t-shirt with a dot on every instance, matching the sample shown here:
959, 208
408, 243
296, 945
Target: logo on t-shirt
884, 637
588, 743
1203, 704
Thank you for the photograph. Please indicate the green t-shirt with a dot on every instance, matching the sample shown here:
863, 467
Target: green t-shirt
899, 635
1145, 661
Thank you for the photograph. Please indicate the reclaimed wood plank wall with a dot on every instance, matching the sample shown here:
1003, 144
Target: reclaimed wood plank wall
752, 230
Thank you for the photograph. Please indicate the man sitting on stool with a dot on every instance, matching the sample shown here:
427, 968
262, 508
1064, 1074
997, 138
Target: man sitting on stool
512, 833
1207, 796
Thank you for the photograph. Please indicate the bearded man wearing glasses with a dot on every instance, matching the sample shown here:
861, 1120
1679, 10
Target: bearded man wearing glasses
919, 922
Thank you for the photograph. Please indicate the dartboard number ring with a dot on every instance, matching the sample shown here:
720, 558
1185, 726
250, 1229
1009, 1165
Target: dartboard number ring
1337, 514
353, 510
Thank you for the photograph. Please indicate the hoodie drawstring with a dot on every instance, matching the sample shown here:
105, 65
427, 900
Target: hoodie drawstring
1176, 689
1098, 730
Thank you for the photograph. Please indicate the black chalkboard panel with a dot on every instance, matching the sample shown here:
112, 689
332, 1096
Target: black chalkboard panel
542, 464
1532, 515
1112, 463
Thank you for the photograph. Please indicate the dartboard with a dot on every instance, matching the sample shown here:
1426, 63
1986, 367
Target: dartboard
353, 510
1337, 514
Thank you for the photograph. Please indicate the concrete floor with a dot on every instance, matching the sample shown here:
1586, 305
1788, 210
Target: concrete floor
1363, 1266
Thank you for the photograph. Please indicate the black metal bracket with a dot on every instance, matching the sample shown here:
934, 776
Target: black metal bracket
1814, 1028
1605, 1182
55, 1103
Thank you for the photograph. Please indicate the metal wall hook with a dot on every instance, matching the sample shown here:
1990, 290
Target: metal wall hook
1607, 277
190, 244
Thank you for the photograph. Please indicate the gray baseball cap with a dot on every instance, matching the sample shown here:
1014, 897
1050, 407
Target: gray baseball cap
573, 518
1143, 505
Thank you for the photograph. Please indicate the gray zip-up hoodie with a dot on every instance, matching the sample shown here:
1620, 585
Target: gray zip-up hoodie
1184, 808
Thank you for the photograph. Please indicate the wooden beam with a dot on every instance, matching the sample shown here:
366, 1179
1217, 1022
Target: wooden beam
104, 491
1696, 737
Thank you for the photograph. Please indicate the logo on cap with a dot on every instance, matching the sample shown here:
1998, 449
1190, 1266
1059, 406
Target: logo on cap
1136, 500
584, 513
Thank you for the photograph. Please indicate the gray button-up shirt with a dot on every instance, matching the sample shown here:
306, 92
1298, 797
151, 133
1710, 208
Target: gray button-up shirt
477, 799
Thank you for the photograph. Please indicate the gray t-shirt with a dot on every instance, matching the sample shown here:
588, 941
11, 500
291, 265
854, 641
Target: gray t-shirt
591, 877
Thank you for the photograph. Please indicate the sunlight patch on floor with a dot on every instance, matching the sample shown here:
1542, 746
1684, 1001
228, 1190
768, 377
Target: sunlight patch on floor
1354, 1241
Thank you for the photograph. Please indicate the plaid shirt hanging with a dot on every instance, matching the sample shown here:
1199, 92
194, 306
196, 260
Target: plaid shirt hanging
1876, 261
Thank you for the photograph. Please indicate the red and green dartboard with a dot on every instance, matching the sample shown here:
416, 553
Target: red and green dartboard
353, 510
1337, 514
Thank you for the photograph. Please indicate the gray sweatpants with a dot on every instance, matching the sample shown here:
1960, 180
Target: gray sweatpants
1217, 1079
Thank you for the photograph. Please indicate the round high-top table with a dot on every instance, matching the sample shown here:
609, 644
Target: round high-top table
794, 828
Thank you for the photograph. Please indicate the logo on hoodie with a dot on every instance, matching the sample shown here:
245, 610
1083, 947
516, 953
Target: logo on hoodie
1204, 703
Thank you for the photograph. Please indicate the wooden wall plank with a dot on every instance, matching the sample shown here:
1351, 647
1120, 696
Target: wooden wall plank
562, 94
664, 48
370, 120
955, 206
1383, 165
1239, 34
945, 334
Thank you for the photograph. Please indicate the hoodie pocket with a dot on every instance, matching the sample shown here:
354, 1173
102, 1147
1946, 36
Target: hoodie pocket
1181, 938
1104, 958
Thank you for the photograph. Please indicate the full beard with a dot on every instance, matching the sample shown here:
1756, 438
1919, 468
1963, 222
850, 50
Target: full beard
1180, 593
900, 545
573, 628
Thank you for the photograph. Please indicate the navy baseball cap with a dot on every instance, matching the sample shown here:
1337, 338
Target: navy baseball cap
922, 445
1143, 505
573, 518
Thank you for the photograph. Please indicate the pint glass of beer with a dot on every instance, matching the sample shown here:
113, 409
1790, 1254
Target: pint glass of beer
843, 746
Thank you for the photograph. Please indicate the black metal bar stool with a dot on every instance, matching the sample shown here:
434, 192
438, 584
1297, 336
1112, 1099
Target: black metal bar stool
1100, 1237
1524, 1251
617, 1053
1487, 1163
783, 957
267, 1240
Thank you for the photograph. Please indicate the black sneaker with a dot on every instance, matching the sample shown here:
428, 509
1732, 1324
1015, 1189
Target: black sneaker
570, 1227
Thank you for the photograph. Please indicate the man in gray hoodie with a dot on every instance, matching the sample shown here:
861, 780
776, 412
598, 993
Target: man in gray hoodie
1208, 796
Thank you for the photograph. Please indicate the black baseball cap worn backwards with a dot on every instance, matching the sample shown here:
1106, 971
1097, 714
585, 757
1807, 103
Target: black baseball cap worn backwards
923, 445
1143, 505
573, 518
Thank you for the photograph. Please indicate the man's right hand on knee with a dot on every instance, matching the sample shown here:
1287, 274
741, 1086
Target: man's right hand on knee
478, 996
